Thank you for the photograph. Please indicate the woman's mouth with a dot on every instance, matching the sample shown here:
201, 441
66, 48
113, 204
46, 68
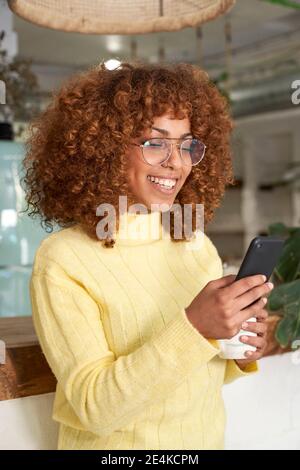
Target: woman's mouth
164, 185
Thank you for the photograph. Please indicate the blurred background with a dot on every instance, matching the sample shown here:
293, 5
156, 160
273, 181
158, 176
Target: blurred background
251, 51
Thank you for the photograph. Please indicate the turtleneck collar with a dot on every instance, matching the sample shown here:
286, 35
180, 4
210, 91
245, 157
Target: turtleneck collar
139, 229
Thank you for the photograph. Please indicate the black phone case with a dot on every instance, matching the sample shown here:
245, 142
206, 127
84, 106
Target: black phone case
261, 257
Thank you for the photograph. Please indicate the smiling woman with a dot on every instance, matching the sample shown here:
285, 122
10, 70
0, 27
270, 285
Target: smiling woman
131, 332
158, 150
90, 130
168, 172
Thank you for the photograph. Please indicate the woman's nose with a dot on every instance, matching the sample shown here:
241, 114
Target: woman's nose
174, 159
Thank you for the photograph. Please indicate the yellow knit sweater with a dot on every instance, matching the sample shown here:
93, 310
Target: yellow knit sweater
132, 371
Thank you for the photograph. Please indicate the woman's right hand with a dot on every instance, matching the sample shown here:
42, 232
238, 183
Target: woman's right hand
221, 307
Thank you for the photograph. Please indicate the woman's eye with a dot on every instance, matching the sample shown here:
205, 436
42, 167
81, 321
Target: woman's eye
153, 143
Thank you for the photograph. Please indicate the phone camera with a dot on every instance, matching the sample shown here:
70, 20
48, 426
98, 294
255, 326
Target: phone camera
258, 245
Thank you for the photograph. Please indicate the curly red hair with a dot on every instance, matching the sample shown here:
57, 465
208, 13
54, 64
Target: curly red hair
76, 151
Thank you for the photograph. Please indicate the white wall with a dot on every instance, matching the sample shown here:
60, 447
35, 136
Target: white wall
26, 423
263, 411
264, 147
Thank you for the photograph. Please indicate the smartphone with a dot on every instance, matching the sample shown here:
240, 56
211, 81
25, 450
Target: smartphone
261, 257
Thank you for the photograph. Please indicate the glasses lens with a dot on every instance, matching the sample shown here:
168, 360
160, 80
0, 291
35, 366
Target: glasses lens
155, 151
192, 151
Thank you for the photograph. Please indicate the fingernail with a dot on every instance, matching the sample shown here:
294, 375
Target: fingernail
270, 285
244, 338
244, 325
264, 278
248, 353
265, 300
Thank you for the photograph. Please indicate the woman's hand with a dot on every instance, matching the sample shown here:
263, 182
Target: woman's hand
260, 341
221, 307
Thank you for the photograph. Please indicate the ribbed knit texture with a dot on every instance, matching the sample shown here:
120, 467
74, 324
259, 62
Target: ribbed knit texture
132, 371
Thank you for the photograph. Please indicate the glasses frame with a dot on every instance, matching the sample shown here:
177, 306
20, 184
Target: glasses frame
178, 145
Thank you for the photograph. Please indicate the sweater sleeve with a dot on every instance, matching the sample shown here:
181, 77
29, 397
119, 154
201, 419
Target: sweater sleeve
108, 392
233, 371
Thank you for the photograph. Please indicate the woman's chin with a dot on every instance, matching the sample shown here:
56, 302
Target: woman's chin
156, 204
162, 206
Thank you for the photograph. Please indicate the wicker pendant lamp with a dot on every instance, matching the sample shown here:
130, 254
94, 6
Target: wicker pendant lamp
119, 16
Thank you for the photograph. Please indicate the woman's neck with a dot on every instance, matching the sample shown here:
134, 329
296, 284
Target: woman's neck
139, 229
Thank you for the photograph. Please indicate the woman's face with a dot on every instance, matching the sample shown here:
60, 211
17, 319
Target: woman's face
139, 172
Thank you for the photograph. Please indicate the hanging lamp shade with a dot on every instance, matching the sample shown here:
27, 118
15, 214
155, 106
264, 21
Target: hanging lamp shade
119, 16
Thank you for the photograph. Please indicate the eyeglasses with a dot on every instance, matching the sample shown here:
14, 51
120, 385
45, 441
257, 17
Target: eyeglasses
158, 150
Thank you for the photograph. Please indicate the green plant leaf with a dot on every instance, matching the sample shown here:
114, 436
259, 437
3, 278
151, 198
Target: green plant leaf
288, 329
285, 330
284, 295
284, 299
287, 267
278, 228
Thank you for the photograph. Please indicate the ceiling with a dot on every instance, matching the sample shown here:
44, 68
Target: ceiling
265, 51
255, 24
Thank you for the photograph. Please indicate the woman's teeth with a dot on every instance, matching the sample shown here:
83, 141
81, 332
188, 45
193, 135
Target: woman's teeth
164, 183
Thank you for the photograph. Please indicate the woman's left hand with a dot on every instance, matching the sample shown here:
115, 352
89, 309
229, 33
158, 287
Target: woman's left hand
260, 341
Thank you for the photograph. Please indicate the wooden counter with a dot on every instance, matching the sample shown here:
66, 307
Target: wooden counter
26, 371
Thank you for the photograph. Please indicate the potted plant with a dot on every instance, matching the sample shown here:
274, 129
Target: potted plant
283, 302
20, 85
